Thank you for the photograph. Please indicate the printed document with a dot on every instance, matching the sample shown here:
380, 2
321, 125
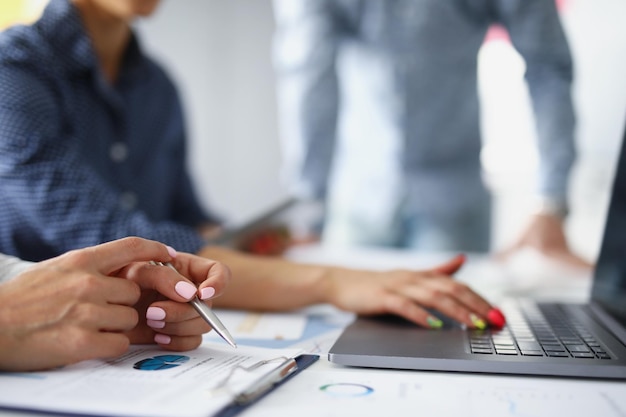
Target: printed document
146, 381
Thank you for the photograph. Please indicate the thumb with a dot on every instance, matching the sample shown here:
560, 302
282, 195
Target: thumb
451, 266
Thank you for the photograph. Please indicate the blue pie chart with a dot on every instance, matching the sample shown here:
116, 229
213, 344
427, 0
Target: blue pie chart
160, 362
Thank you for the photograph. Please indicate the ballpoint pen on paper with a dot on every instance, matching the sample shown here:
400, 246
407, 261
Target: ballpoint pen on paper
206, 313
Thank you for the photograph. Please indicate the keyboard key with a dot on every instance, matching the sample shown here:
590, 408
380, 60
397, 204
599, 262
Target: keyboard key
586, 355
558, 354
577, 348
506, 352
504, 345
482, 351
532, 352
554, 348
529, 346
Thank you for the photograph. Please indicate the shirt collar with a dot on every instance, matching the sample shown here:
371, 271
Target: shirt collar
62, 25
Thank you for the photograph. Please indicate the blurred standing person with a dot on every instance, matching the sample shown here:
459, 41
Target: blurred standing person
380, 118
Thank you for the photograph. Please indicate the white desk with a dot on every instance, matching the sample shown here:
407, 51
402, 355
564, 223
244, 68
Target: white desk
326, 389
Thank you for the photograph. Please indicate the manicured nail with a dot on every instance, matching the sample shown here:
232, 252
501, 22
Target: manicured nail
185, 289
155, 313
155, 324
162, 339
496, 318
171, 251
207, 293
478, 322
434, 322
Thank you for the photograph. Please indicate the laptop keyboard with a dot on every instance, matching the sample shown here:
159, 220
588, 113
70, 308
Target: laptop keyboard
538, 332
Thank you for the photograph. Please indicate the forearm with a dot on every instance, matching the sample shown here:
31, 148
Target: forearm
538, 35
268, 283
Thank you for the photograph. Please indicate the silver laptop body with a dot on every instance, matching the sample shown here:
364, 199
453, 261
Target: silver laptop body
585, 340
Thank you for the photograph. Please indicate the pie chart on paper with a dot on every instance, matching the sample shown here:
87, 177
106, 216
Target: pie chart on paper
160, 362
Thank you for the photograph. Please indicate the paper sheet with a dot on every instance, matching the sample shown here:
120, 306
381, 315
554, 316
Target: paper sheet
143, 382
332, 391
260, 326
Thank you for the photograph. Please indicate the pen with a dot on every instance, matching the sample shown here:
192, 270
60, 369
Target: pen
206, 313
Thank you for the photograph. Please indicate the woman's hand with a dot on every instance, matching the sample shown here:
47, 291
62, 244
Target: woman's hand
165, 317
545, 233
410, 293
91, 303
69, 309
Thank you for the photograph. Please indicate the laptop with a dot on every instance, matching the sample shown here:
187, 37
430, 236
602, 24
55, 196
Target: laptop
551, 339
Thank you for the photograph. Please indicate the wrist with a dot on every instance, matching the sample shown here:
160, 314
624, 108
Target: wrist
324, 284
547, 206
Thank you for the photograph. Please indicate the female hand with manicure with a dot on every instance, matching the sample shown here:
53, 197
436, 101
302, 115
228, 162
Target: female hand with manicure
410, 294
271, 284
77, 306
165, 316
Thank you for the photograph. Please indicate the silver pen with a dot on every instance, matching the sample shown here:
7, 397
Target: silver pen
206, 313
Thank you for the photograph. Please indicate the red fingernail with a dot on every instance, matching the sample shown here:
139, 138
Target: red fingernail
496, 318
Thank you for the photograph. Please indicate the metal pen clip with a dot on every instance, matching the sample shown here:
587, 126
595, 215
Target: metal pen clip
206, 313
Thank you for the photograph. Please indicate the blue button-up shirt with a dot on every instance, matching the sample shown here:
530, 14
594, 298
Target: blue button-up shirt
83, 161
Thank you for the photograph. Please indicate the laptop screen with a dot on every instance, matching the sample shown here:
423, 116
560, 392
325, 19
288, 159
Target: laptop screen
609, 285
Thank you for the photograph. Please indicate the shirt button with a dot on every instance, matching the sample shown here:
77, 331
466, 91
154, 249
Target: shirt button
118, 152
128, 200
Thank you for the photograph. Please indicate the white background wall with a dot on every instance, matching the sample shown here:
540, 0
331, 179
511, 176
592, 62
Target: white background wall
219, 51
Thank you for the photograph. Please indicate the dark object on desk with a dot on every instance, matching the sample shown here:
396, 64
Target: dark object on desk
272, 232
551, 339
301, 362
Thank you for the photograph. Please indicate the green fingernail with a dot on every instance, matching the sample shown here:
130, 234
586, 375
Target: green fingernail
479, 323
434, 322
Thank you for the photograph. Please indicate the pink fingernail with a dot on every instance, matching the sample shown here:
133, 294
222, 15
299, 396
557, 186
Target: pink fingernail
171, 251
185, 289
207, 293
162, 339
155, 313
155, 324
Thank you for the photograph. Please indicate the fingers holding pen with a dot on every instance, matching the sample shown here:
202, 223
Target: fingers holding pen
189, 276
211, 277
172, 318
167, 287
112, 256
